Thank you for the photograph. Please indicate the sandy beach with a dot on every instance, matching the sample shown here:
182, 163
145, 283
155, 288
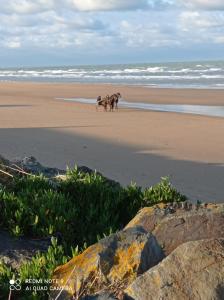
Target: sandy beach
128, 145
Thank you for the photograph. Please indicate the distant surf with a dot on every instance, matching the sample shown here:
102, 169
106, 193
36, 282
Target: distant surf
171, 75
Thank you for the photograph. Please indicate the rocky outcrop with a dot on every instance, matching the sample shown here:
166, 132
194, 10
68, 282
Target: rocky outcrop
31, 165
195, 270
27, 165
195, 231
14, 251
113, 263
175, 224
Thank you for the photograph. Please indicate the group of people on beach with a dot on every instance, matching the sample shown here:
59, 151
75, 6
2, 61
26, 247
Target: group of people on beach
108, 101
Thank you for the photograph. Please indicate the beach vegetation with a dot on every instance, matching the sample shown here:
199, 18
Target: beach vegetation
35, 275
74, 212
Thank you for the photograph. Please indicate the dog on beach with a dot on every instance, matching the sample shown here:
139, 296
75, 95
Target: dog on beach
111, 101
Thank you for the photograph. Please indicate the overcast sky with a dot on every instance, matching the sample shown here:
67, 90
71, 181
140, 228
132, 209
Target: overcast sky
63, 32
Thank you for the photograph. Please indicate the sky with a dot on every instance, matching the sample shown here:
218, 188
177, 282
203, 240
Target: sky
74, 32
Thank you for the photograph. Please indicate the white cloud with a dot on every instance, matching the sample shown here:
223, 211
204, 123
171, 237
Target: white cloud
12, 43
219, 39
52, 25
145, 35
26, 6
51, 30
201, 27
204, 4
194, 21
96, 5
38, 6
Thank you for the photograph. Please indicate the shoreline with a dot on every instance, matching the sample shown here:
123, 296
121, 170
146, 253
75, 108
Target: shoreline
149, 86
128, 145
177, 75
133, 93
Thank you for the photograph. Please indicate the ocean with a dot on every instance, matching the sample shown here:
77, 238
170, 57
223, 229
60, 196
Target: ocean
166, 75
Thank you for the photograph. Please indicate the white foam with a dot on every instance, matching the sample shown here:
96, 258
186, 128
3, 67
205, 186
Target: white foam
172, 75
133, 70
155, 69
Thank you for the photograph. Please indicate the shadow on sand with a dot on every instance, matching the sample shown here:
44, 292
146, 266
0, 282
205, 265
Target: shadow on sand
124, 163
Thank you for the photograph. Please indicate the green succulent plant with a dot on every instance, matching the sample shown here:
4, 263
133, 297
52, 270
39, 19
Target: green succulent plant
80, 209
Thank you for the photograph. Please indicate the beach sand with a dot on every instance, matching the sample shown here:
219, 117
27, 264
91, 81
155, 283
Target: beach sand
128, 145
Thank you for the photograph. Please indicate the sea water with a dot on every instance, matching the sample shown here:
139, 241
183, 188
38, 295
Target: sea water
204, 110
171, 75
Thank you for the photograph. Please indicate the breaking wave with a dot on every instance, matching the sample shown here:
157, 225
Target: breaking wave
170, 74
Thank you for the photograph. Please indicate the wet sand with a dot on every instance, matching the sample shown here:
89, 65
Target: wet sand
126, 145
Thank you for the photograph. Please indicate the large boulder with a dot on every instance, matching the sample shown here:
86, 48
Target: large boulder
175, 224
195, 270
113, 263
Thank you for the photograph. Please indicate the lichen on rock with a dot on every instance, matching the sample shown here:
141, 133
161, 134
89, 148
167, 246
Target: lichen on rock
115, 261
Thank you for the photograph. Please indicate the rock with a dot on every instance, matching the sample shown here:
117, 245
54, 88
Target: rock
148, 217
4, 178
115, 261
31, 165
175, 228
195, 270
3, 160
14, 251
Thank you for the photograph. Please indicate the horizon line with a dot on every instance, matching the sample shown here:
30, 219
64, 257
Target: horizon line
111, 64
